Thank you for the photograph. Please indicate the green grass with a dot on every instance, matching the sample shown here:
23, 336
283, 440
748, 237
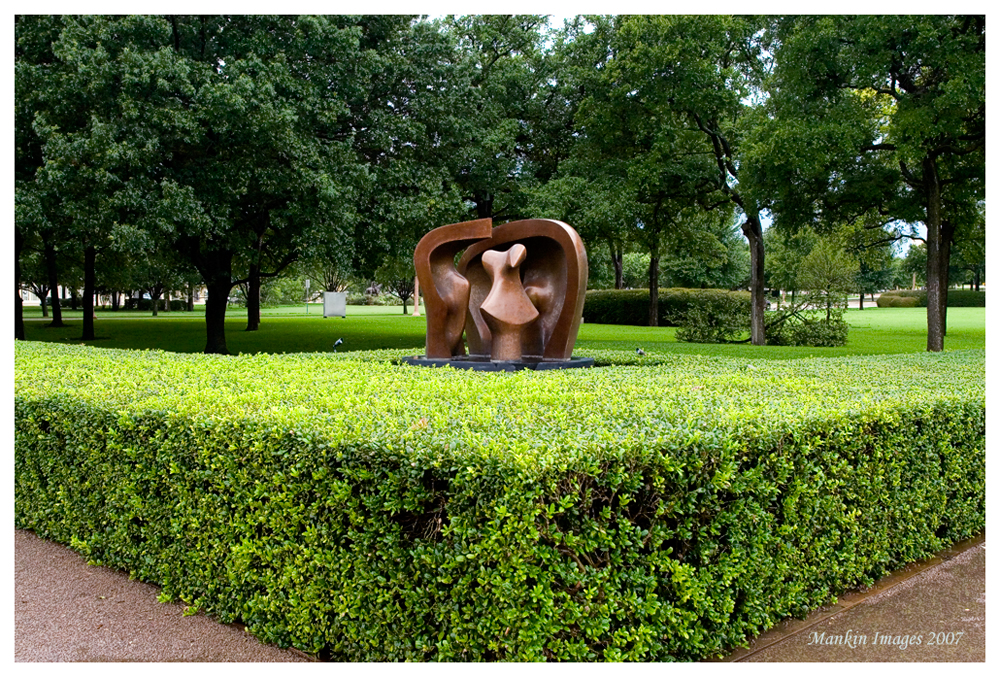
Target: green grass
315, 310
290, 330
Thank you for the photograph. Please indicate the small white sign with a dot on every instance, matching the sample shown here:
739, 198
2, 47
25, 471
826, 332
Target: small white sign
334, 304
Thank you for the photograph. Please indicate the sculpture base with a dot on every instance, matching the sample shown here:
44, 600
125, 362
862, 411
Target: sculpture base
487, 365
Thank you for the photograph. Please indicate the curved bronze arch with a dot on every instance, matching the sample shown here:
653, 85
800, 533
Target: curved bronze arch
446, 292
554, 276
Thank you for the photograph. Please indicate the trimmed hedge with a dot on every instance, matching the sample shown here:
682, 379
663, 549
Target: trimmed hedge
631, 307
899, 301
365, 510
918, 298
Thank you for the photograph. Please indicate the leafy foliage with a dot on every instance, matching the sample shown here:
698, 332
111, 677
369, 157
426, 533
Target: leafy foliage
884, 115
629, 307
918, 298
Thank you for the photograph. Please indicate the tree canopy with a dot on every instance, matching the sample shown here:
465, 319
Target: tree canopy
241, 147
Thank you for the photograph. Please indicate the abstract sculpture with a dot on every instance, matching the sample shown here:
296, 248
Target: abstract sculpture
517, 291
507, 309
446, 293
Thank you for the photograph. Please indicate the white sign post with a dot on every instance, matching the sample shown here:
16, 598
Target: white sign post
307, 295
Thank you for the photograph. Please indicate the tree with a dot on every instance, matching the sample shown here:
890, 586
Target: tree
885, 114
633, 143
409, 136
398, 275
503, 73
969, 254
914, 265
699, 76
228, 136
829, 274
585, 197
785, 253
713, 254
33, 56
33, 276
869, 245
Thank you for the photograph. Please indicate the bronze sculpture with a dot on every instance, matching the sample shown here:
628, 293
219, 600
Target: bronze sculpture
446, 293
507, 309
517, 291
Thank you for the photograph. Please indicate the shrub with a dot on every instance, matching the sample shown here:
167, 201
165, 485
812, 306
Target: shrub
809, 331
965, 299
898, 301
359, 299
956, 299
631, 307
724, 319
373, 511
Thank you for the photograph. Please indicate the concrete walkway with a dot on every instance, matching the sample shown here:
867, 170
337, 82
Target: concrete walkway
934, 611
67, 611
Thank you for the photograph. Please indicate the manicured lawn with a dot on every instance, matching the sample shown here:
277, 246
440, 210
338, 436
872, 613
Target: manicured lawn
290, 330
873, 331
282, 330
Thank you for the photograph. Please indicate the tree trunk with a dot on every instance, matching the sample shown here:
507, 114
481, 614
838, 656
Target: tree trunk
755, 234
154, 297
484, 205
215, 314
18, 302
975, 278
115, 300
44, 301
935, 325
861, 302
166, 301
190, 299
253, 298
654, 290
74, 300
947, 233
53, 273
89, 265
617, 262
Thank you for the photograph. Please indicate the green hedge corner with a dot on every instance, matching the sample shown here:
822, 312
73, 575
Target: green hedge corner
361, 509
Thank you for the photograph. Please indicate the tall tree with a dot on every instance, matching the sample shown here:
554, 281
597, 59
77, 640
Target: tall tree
229, 136
34, 74
504, 73
636, 129
700, 78
886, 114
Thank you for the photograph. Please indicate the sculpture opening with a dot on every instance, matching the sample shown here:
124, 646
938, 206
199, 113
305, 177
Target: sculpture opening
518, 292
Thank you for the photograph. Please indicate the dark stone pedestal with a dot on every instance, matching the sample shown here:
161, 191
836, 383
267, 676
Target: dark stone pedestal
487, 365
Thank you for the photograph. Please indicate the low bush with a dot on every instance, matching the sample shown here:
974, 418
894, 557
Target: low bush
810, 331
365, 510
918, 298
359, 299
807, 322
631, 307
898, 301
725, 318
